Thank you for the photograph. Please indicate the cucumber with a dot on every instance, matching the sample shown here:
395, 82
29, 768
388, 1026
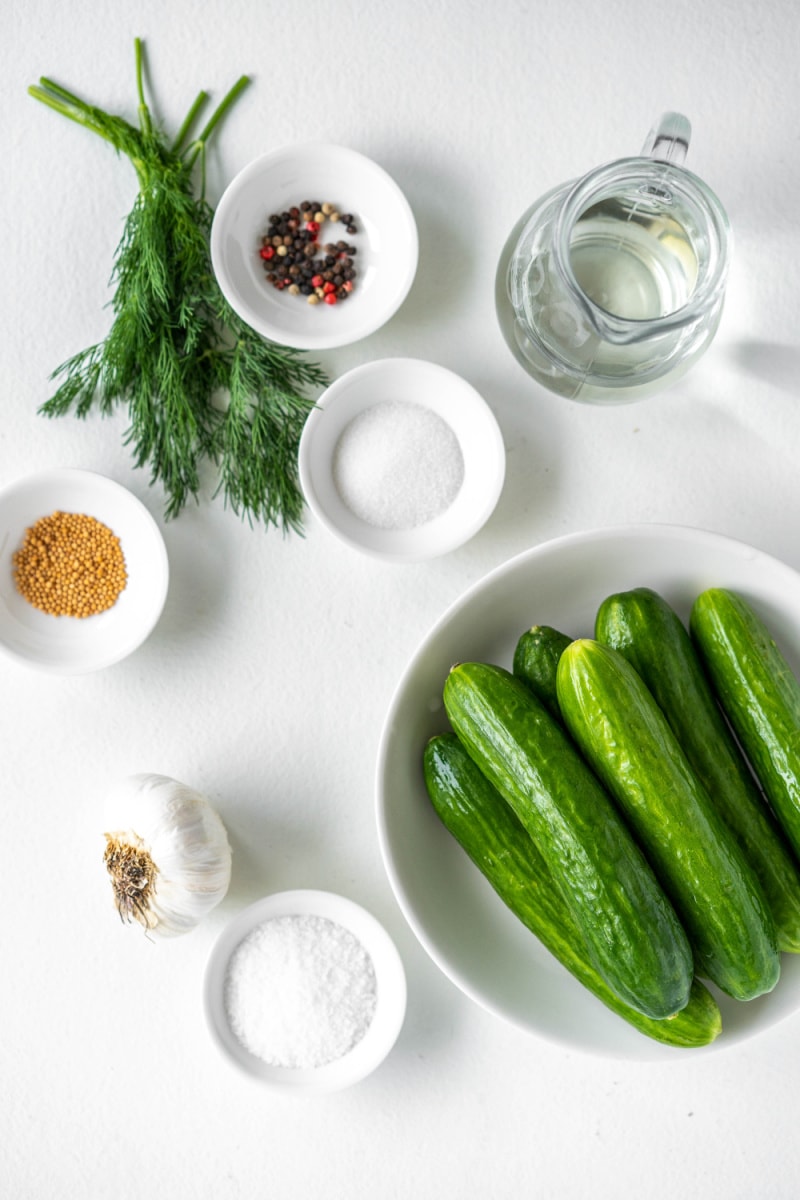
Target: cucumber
641, 625
536, 658
758, 692
632, 934
626, 739
485, 826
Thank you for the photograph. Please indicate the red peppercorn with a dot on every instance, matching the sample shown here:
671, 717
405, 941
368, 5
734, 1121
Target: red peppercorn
267, 252
330, 297
317, 280
348, 285
312, 226
328, 288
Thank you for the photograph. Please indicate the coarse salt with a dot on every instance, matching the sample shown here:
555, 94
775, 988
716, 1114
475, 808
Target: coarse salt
398, 465
300, 991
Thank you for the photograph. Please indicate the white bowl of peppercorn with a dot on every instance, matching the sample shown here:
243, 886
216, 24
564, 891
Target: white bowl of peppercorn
83, 571
314, 246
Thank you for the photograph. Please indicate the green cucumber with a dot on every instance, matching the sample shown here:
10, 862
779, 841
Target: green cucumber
641, 625
632, 934
625, 737
536, 658
758, 692
485, 826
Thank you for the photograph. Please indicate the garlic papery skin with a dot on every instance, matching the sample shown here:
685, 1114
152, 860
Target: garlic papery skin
167, 853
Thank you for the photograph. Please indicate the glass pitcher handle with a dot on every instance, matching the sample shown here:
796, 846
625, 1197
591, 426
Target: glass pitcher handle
668, 140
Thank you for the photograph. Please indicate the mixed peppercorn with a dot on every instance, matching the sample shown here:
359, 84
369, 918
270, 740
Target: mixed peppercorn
296, 261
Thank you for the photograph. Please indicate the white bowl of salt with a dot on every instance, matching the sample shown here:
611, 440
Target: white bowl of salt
305, 991
402, 459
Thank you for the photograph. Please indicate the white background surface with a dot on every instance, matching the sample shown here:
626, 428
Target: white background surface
266, 681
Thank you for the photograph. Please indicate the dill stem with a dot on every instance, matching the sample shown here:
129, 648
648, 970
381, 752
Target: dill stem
145, 123
68, 97
188, 121
198, 146
64, 102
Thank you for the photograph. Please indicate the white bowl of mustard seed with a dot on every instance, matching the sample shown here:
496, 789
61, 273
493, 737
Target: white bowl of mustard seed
314, 245
83, 571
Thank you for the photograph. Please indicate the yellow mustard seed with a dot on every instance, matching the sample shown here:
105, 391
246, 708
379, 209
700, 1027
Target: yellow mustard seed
70, 565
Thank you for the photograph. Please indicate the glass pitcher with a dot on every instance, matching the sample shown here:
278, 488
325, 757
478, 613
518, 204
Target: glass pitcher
611, 286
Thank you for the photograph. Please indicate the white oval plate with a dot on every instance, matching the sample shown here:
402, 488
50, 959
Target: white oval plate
66, 645
387, 243
457, 917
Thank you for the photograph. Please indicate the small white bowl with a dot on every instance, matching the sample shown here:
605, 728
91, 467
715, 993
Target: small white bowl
386, 241
390, 1008
443, 393
68, 645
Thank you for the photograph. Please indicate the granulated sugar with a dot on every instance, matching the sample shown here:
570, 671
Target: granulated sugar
398, 465
300, 991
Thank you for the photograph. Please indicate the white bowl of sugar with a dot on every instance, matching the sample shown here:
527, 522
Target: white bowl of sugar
402, 459
305, 992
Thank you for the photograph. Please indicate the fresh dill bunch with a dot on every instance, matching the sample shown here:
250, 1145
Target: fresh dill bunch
256, 442
175, 346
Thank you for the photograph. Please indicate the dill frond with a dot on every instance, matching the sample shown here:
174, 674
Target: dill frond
174, 342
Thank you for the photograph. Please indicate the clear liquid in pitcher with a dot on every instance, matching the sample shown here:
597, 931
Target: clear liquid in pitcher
635, 264
611, 286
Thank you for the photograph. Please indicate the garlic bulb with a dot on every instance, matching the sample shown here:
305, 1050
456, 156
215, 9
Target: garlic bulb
167, 853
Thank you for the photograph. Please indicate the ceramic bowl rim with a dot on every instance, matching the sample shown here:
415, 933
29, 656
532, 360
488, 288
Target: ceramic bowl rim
137, 625
393, 238
458, 403
389, 1016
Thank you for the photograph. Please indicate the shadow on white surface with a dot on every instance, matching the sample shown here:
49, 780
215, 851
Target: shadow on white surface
777, 363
